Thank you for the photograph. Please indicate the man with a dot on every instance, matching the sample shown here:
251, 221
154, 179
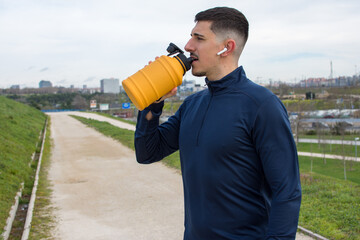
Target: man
238, 157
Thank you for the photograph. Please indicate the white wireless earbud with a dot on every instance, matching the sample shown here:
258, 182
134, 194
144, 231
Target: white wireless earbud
222, 51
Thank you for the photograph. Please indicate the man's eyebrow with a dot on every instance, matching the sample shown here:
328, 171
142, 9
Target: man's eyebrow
197, 35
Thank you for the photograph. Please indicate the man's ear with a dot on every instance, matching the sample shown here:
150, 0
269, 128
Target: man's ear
230, 44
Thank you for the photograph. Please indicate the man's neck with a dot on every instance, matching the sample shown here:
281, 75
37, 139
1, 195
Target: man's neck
224, 72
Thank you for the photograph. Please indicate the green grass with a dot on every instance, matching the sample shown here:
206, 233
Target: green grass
43, 221
20, 127
330, 206
170, 107
333, 168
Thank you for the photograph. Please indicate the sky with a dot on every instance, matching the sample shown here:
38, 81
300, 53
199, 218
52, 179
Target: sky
80, 42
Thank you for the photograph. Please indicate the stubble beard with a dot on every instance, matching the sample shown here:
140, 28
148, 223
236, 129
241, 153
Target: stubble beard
198, 74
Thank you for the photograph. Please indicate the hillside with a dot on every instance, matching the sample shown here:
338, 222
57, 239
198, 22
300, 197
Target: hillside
20, 127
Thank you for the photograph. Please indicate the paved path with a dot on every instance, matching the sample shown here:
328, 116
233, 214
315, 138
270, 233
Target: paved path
321, 155
328, 141
100, 192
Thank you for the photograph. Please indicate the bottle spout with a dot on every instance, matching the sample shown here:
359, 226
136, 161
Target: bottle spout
173, 49
190, 60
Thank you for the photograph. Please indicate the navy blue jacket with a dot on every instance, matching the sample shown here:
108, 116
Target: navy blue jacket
238, 160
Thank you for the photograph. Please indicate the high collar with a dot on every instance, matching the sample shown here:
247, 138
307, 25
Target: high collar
226, 83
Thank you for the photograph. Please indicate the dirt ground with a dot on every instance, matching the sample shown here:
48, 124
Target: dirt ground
101, 192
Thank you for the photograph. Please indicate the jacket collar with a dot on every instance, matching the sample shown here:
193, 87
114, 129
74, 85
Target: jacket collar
226, 83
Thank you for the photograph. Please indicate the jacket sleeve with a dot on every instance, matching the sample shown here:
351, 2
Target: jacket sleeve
277, 151
154, 142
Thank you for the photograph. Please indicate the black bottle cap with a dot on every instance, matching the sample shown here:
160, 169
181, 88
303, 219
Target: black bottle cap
173, 49
186, 61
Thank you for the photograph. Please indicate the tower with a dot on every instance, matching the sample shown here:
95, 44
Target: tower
331, 70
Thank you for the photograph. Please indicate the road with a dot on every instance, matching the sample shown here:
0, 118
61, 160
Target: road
100, 192
321, 155
328, 141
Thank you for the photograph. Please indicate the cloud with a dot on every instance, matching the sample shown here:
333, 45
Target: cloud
113, 38
62, 81
30, 68
90, 79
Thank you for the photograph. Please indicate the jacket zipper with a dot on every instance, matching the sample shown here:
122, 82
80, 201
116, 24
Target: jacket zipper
203, 120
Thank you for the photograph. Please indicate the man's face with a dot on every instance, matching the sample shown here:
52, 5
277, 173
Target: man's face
203, 47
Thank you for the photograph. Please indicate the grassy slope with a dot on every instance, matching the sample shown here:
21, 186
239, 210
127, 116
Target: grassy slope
330, 205
20, 127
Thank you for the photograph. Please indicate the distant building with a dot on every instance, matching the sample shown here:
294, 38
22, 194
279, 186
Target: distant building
110, 85
188, 86
45, 84
15, 87
199, 87
93, 90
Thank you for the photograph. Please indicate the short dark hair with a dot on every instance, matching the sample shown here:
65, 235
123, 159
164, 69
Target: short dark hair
225, 19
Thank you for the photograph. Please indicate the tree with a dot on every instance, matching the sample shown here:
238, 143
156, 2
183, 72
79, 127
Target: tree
339, 129
79, 102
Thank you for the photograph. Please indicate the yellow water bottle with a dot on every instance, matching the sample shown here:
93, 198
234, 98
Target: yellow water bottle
158, 78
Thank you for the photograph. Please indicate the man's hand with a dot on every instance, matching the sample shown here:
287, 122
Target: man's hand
173, 92
168, 95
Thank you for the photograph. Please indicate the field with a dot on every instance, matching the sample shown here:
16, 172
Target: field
330, 205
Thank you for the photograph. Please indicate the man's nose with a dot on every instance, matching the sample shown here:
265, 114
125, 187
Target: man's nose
189, 47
